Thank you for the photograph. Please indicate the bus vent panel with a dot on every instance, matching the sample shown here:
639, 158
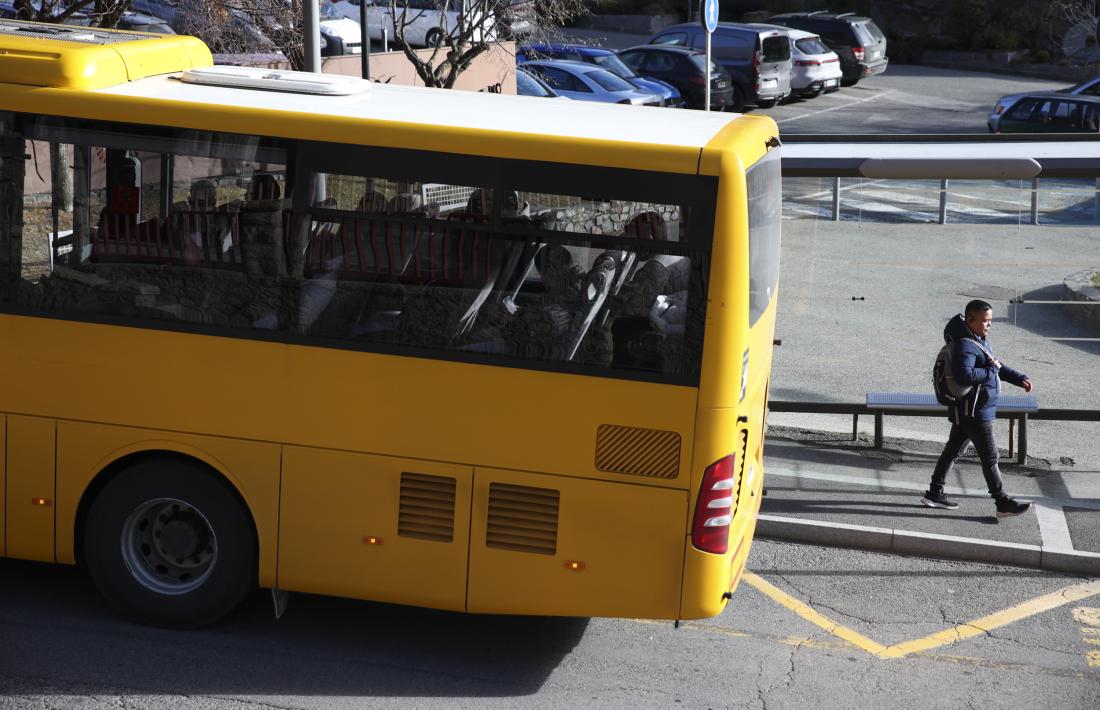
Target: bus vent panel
523, 519
427, 507
642, 452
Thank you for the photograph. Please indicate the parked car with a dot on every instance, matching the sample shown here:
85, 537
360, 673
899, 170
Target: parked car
236, 33
605, 59
588, 82
426, 22
1049, 112
129, 20
757, 57
857, 40
1090, 87
529, 84
684, 68
517, 19
339, 35
815, 68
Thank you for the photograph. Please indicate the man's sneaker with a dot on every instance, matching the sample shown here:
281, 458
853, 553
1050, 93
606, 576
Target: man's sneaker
938, 500
1006, 507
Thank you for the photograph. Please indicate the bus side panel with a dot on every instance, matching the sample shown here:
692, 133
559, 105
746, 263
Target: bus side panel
564, 546
84, 450
3, 481
375, 527
30, 488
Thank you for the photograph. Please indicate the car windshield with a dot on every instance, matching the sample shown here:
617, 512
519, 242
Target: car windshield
700, 60
811, 45
526, 85
329, 11
613, 64
608, 81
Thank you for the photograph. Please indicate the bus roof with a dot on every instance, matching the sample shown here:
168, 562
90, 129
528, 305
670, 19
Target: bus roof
128, 78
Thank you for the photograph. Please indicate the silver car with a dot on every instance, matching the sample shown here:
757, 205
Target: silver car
587, 82
1086, 88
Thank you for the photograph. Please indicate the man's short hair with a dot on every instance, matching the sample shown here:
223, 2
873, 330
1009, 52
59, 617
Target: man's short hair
977, 306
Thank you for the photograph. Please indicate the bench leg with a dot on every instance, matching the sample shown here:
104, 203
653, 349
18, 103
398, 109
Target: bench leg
1011, 433
1023, 440
855, 427
878, 430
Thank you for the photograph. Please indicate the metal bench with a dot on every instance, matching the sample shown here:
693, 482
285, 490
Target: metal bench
1015, 408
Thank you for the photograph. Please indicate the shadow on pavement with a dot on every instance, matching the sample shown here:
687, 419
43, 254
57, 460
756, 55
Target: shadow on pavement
52, 617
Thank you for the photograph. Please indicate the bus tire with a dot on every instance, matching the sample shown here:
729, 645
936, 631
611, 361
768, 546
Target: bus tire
168, 543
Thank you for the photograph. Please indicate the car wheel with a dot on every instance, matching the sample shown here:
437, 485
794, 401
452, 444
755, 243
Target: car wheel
168, 543
766, 103
434, 37
849, 82
813, 93
737, 100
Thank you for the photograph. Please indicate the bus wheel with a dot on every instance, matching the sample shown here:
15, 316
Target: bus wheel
169, 544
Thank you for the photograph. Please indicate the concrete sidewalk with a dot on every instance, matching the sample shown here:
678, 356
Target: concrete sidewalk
848, 494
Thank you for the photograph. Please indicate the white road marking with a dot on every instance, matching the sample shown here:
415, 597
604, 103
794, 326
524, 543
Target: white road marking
834, 108
1053, 528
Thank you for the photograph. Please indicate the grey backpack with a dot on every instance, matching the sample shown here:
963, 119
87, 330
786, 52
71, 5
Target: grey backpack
948, 390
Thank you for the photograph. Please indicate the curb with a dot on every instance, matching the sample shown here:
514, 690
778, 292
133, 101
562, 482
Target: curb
905, 542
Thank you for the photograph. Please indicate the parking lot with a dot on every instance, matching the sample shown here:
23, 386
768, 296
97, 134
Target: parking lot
905, 99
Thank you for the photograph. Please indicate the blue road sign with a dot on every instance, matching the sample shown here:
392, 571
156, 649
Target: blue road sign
709, 15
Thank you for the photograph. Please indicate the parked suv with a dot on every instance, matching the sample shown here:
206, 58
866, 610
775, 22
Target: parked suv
757, 58
857, 40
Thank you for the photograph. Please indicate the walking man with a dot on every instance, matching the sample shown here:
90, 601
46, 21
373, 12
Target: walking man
974, 365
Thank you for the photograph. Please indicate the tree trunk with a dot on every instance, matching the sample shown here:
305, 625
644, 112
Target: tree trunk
61, 178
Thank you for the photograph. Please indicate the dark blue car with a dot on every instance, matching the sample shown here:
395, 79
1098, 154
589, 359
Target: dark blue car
605, 59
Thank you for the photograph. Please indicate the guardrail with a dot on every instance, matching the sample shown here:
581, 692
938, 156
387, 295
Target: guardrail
855, 410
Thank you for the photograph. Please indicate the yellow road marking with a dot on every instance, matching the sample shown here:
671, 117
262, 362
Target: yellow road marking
977, 627
1087, 615
1094, 658
812, 615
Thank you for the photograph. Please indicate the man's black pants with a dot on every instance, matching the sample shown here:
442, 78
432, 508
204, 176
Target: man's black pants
981, 435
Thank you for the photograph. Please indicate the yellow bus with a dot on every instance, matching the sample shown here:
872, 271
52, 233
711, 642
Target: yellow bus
482, 353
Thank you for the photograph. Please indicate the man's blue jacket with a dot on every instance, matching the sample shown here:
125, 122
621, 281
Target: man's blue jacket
971, 366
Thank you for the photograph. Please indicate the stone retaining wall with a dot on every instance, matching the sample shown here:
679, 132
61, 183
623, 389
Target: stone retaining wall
1078, 287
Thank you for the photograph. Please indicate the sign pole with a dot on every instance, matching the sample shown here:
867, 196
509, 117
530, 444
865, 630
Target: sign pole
708, 17
707, 99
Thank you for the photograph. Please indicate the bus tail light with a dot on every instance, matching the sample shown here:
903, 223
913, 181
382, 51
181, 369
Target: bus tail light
710, 529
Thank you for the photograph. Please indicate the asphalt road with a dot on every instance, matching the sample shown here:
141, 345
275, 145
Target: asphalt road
906, 99
812, 627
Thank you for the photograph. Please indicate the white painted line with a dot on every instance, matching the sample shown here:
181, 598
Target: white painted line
1052, 525
834, 108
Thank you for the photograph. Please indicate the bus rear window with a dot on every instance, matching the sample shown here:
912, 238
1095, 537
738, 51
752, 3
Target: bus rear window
765, 203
